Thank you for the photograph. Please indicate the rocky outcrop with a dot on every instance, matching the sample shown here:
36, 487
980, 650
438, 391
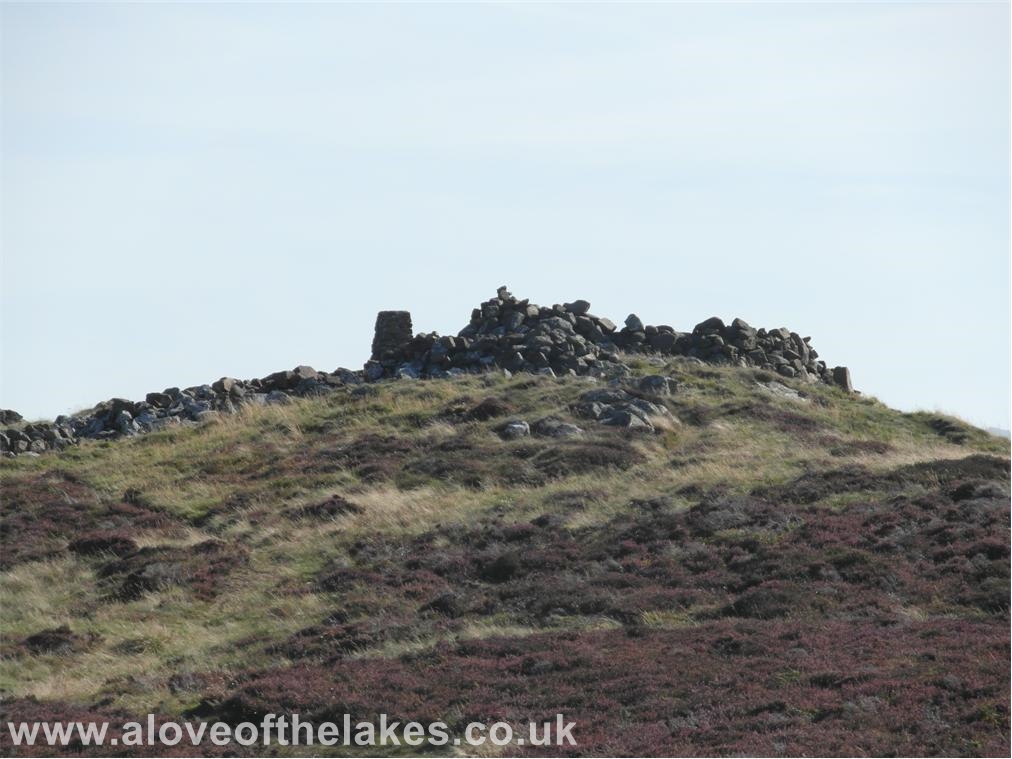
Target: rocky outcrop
632, 404
519, 336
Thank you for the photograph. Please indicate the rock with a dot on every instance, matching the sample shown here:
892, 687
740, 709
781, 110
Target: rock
841, 378
161, 424
782, 391
125, 423
207, 416
713, 325
7, 416
192, 407
644, 408
663, 342
633, 323
146, 421
158, 400
514, 429
280, 380
578, 307
655, 384
607, 395
224, 385
346, 376
278, 398
628, 420
553, 427
616, 417
514, 321
116, 405
34, 432
591, 410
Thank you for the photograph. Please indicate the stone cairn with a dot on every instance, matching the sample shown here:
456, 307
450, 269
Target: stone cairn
504, 334
518, 336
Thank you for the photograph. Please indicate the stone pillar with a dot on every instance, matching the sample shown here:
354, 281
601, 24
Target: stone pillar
393, 332
841, 376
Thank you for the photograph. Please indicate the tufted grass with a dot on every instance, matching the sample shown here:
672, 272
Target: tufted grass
243, 479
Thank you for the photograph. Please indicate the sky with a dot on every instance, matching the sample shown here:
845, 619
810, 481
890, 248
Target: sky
196, 190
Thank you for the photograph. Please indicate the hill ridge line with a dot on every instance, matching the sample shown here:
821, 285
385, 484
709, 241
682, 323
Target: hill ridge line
504, 333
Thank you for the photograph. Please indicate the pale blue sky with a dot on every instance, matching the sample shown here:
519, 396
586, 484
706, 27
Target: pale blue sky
198, 190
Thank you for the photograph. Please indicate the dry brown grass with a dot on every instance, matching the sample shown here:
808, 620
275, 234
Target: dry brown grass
240, 479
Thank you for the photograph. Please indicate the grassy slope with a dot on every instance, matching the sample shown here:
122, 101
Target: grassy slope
766, 575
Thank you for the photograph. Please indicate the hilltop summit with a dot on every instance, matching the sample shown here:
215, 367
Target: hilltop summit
687, 559
504, 334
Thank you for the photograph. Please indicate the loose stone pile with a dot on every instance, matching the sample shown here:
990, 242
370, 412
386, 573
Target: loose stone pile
171, 407
518, 336
505, 333
628, 403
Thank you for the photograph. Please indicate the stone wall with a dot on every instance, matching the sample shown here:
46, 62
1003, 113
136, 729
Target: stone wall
504, 333
119, 417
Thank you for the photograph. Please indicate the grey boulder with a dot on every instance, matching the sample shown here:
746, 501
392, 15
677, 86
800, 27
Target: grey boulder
552, 427
514, 429
578, 307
